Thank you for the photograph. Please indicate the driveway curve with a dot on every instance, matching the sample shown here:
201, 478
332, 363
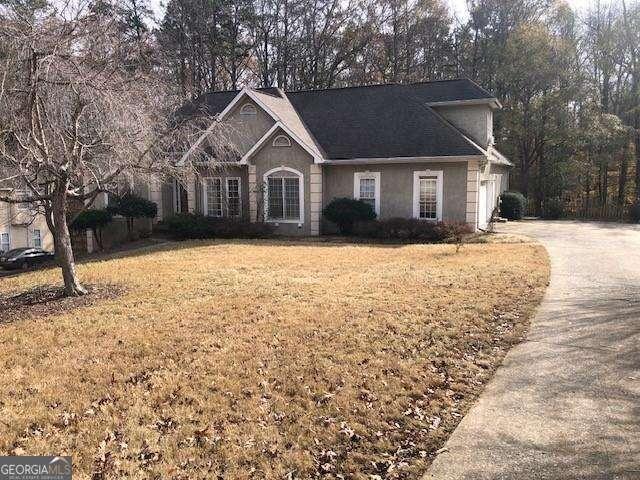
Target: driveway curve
566, 402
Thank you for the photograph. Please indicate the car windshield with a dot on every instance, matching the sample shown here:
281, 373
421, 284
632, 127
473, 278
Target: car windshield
15, 252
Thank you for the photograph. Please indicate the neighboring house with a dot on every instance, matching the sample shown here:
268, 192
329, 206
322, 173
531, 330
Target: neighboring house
422, 150
20, 226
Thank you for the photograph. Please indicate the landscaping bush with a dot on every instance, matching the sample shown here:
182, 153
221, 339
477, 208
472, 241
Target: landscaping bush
513, 205
132, 206
184, 226
93, 220
411, 229
553, 208
346, 212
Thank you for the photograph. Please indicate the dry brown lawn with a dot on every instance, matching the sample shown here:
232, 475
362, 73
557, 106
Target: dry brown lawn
262, 359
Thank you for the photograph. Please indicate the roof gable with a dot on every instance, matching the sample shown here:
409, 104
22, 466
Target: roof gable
279, 126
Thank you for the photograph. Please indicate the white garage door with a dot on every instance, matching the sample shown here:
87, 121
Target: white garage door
482, 206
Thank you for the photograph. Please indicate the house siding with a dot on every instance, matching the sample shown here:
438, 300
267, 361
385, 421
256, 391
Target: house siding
474, 120
20, 227
245, 130
396, 187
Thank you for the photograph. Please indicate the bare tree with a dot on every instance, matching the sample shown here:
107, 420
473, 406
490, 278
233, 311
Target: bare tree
77, 117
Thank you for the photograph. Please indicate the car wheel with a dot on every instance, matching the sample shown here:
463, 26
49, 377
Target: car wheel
24, 266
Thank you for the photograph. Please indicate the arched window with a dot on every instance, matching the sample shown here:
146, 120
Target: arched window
248, 109
281, 141
284, 192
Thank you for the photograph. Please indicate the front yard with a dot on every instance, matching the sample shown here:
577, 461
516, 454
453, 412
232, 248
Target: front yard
262, 359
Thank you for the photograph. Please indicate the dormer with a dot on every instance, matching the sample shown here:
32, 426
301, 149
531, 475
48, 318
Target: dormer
474, 117
463, 103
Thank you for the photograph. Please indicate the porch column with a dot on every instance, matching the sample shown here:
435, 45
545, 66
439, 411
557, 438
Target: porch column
315, 197
253, 194
473, 186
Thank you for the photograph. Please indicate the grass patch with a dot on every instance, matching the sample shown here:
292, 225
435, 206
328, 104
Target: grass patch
264, 359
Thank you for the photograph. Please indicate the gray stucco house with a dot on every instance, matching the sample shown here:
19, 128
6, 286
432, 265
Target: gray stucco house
424, 150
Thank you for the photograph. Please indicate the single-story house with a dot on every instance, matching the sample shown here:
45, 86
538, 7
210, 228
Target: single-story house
423, 150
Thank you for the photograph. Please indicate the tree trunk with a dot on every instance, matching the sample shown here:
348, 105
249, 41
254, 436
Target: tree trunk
622, 178
637, 134
62, 241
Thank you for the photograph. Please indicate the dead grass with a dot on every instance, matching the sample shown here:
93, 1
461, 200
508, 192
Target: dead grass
264, 360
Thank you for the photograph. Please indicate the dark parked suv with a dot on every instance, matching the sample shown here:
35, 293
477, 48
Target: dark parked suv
24, 258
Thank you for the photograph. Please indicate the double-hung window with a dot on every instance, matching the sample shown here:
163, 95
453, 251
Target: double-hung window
284, 196
366, 187
234, 205
4, 242
213, 196
36, 238
427, 195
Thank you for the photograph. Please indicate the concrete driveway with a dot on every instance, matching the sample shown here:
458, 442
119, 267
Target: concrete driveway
566, 402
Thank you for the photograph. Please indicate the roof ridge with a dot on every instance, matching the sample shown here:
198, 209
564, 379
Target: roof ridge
441, 80
344, 88
372, 85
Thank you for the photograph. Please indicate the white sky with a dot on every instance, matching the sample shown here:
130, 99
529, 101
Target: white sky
458, 7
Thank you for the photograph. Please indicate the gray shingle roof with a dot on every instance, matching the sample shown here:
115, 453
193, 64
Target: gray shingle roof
378, 121
449, 90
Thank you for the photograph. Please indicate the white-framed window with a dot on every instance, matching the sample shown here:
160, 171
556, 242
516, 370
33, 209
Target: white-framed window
282, 141
5, 244
284, 194
366, 187
234, 201
427, 195
36, 238
212, 196
248, 109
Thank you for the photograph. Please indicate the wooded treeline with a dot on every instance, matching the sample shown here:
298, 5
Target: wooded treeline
569, 82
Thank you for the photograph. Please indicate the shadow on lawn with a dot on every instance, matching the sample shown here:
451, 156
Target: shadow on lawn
48, 300
171, 245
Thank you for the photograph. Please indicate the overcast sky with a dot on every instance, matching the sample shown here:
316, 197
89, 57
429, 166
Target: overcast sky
458, 7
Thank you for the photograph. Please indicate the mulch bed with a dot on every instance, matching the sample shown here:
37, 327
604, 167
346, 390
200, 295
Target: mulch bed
48, 300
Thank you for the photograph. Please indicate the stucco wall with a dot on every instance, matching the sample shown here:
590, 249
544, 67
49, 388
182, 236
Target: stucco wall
245, 130
474, 120
295, 157
396, 187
